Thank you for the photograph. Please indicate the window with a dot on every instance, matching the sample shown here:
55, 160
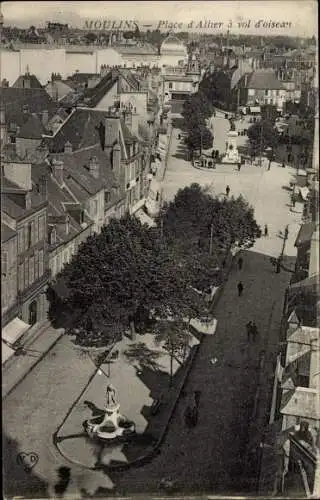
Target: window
26, 273
29, 240
107, 197
31, 270
170, 85
266, 92
35, 232
21, 240
40, 263
94, 207
53, 267
36, 265
58, 263
21, 277
41, 222
4, 263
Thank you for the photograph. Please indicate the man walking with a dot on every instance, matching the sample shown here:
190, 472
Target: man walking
249, 330
197, 395
227, 191
240, 263
254, 331
240, 288
266, 232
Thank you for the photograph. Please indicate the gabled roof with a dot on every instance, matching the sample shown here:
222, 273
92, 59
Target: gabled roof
32, 80
58, 89
59, 199
6, 232
79, 129
263, 80
14, 100
33, 128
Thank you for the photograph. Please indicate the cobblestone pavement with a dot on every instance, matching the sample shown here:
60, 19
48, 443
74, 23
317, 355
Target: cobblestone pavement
209, 456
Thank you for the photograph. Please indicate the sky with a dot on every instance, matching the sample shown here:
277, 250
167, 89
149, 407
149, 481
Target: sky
302, 14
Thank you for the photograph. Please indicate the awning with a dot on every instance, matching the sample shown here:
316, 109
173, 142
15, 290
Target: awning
14, 330
255, 109
144, 218
304, 191
10, 334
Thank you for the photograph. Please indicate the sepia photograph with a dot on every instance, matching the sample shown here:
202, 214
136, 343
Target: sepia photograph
160, 281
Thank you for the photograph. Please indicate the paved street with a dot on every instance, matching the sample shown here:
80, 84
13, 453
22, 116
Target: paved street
210, 456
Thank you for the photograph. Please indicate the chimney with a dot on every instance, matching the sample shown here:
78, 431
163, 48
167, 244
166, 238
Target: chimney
57, 166
45, 118
135, 123
127, 115
116, 161
68, 147
94, 167
112, 131
28, 200
43, 188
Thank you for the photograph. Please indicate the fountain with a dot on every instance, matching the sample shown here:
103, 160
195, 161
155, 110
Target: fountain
110, 425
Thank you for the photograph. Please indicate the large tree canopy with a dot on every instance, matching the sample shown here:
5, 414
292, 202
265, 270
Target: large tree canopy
202, 229
121, 271
261, 135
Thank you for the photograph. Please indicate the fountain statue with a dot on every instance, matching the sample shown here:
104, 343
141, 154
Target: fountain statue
232, 154
110, 425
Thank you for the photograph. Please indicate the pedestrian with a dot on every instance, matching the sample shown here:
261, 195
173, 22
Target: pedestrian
266, 231
240, 288
269, 166
227, 190
239, 166
240, 263
197, 395
249, 330
254, 331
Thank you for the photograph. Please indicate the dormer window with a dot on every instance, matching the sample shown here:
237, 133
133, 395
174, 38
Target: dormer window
52, 235
67, 224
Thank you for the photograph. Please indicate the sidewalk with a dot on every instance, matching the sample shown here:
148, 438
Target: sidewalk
40, 340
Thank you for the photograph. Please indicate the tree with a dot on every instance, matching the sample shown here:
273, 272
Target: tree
117, 273
261, 135
202, 229
90, 38
175, 337
217, 88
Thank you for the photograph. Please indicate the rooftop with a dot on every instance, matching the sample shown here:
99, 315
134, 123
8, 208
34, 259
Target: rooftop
15, 100
305, 234
33, 128
263, 80
6, 232
302, 401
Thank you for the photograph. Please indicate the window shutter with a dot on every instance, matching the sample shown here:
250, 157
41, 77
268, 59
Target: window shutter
36, 265
31, 270
4, 263
26, 273
40, 263
21, 277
